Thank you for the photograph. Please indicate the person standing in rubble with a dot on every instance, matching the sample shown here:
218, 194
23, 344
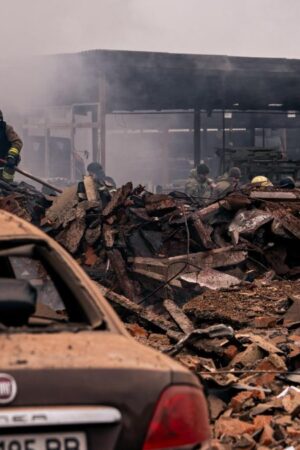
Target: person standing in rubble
199, 185
105, 185
96, 171
10, 148
228, 183
261, 181
287, 183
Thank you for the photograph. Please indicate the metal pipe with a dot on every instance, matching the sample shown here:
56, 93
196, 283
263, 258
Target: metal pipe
34, 178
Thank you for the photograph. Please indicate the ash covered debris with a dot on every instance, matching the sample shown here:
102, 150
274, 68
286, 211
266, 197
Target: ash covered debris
24, 200
137, 243
215, 287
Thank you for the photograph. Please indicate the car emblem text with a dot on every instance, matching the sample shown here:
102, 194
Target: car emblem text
8, 388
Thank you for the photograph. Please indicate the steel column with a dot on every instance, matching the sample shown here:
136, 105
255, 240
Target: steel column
197, 136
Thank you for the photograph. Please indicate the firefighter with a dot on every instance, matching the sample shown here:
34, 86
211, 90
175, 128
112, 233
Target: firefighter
261, 181
10, 148
287, 183
105, 185
228, 183
199, 185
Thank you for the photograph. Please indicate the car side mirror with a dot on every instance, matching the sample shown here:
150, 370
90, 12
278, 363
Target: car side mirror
17, 301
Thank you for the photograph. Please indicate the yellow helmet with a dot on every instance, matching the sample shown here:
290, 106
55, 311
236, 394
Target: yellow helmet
261, 180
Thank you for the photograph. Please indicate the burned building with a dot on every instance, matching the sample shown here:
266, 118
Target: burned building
149, 117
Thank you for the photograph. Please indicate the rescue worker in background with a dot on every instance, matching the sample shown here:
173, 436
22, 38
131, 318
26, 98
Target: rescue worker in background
287, 183
96, 171
228, 183
199, 185
10, 148
261, 181
105, 185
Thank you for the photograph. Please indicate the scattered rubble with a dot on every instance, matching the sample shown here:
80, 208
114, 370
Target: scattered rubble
215, 287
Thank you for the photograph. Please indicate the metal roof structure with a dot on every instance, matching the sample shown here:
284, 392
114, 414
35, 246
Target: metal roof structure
158, 81
164, 81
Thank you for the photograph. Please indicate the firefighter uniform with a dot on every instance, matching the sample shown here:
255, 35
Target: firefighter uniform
228, 183
199, 185
10, 148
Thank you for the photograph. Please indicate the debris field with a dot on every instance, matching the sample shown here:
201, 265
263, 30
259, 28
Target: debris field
215, 286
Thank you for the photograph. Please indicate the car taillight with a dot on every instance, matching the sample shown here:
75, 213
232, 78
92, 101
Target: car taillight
180, 419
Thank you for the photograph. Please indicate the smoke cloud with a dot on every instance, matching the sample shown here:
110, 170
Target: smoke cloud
232, 27
32, 28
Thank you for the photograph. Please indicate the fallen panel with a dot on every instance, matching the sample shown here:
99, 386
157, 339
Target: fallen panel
277, 195
222, 257
211, 279
247, 222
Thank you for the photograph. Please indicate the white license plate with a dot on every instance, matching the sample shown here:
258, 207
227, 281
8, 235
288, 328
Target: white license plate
48, 441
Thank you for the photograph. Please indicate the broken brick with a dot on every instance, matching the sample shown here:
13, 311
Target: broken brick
233, 427
231, 351
267, 436
265, 322
240, 399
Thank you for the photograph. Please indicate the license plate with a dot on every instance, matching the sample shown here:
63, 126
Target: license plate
48, 441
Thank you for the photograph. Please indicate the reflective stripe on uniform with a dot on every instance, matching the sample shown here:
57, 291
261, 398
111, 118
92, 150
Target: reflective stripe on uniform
13, 151
7, 176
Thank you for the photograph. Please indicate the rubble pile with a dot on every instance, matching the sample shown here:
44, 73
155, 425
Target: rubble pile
244, 345
216, 287
23, 200
137, 243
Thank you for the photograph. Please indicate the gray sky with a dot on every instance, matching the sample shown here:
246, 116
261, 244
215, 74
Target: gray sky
232, 27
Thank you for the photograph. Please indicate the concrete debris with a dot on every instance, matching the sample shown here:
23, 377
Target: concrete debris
217, 288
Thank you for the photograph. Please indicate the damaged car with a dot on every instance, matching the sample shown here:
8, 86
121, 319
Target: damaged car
71, 376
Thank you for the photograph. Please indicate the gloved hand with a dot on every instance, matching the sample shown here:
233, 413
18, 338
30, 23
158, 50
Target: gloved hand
9, 167
13, 158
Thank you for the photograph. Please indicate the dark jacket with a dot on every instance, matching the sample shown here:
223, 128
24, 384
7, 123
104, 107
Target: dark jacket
8, 139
